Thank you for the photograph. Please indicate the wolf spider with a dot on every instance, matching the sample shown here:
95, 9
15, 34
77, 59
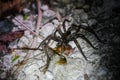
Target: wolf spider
63, 39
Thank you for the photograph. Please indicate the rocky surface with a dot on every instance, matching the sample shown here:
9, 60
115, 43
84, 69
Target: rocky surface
103, 64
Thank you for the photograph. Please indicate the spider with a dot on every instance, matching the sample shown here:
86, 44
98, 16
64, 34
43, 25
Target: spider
63, 39
67, 36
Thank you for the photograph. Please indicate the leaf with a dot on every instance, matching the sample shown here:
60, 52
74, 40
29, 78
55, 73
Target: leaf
15, 58
25, 16
3, 47
6, 38
11, 36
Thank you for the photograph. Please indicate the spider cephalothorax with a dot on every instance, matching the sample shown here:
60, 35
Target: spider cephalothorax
66, 49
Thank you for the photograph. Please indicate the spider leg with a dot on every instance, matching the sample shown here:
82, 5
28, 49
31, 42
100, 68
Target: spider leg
91, 31
78, 27
50, 21
80, 49
74, 27
66, 20
59, 31
60, 39
48, 61
84, 38
44, 41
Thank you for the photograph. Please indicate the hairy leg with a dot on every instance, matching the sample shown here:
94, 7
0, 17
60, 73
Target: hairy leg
80, 49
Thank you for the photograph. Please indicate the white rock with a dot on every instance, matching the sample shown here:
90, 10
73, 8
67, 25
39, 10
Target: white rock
48, 13
44, 7
47, 29
48, 76
26, 10
83, 16
91, 22
3, 75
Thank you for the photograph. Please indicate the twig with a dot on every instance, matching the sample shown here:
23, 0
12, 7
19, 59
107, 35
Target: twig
39, 18
26, 48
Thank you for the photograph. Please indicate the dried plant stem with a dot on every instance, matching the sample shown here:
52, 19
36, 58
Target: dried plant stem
40, 36
36, 33
26, 49
39, 18
37, 27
